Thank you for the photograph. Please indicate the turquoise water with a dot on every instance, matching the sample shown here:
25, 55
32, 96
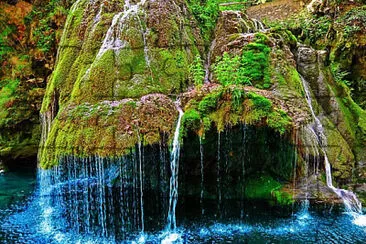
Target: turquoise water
15, 187
30, 217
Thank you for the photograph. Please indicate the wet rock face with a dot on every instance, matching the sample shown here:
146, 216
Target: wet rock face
124, 49
233, 31
310, 64
115, 51
171, 24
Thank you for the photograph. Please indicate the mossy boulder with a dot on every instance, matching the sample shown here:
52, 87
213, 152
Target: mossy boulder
110, 54
108, 128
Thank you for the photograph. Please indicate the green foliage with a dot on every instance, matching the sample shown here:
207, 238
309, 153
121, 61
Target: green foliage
5, 48
48, 15
340, 75
191, 119
206, 13
230, 106
251, 68
354, 21
237, 97
209, 102
237, 5
7, 95
227, 70
255, 63
197, 72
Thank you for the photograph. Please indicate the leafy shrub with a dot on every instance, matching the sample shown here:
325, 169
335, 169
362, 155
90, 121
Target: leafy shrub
251, 68
197, 71
255, 63
206, 13
227, 70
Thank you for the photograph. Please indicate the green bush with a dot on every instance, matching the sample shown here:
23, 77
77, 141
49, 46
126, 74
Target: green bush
251, 68
206, 13
227, 70
255, 64
197, 72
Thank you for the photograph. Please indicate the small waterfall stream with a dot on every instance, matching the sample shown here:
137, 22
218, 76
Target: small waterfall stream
208, 62
352, 204
118, 26
202, 175
174, 166
141, 176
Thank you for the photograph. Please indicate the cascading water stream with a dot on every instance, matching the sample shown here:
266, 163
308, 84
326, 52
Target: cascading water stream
352, 204
119, 25
202, 176
218, 179
258, 25
208, 62
174, 166
112, 40
243, 170
141, 187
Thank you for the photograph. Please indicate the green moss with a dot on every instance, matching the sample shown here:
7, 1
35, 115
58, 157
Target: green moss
108, 128
230, 106
209, 102
260, 102
191, 120
279, 121
264, 187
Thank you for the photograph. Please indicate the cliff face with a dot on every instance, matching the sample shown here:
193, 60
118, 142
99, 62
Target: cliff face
121, 64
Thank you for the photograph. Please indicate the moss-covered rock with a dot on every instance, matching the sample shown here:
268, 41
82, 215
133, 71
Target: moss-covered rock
230, 106
108, 128
123, 54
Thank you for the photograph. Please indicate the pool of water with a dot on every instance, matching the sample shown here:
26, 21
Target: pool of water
15, 187
27, 216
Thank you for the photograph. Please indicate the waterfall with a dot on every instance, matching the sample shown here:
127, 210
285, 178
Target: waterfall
258, 25
79, 197
141, 187
218, 179
244, 128
174, 166
305, 203
202, 176
352, 204
208, 62
112, 40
